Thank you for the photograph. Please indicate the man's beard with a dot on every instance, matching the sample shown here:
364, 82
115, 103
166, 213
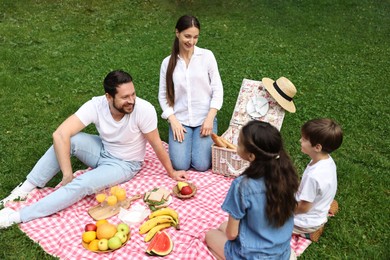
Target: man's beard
125, 109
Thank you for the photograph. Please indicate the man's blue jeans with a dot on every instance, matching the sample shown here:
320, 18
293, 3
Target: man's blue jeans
107, 171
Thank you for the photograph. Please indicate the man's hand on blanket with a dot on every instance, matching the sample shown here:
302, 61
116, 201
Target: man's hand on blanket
66, 179
179, 175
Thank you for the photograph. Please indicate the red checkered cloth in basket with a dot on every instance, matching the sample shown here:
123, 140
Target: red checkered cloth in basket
60, 233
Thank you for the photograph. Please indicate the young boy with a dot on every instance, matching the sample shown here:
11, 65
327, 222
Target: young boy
319, 137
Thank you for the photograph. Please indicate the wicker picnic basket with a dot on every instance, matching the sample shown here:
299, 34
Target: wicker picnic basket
226, 161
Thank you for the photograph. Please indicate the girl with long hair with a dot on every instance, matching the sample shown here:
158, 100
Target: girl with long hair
260, 202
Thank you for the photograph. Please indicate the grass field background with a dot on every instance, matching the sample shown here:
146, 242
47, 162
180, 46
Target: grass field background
55, 54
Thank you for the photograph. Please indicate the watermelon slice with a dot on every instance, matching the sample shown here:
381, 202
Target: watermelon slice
152, 243
160, 245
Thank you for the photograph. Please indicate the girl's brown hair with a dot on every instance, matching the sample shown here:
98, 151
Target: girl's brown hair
274, 165
182, 24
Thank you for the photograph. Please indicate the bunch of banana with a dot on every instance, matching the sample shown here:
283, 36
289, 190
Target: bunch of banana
159, 220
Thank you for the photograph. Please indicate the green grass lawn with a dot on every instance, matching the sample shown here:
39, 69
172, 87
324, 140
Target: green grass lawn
55, 54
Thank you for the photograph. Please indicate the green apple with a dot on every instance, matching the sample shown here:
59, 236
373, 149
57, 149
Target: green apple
123, 227
103, 244
121, 236
114, 243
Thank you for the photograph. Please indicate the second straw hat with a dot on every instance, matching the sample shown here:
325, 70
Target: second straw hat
283, 91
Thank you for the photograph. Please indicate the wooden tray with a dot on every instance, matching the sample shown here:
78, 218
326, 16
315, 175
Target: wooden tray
104, 212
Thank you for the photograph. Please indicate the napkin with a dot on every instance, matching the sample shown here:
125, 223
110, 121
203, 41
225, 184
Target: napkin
135, 215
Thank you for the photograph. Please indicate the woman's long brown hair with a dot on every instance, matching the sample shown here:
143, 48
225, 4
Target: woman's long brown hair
182, 24
274, 165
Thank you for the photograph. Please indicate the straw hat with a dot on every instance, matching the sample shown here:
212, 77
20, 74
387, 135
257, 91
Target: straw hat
283, 91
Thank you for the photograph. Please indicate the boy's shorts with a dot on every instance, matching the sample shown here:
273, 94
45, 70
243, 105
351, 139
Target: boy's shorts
302, 230
312, 233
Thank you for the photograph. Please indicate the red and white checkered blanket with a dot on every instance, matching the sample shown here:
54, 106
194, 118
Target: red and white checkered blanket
60, 233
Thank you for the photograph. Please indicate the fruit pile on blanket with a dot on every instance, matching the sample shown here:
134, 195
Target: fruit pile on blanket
102, 236
184, 188
161, 243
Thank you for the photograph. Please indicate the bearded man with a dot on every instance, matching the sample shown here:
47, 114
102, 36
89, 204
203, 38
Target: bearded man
124, 122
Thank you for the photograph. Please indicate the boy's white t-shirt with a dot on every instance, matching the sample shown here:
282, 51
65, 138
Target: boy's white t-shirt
318, 186
122, 139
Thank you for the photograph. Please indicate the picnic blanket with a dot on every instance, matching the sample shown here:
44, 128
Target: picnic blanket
60, 233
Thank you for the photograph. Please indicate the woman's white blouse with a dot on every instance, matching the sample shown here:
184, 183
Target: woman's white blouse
198, 88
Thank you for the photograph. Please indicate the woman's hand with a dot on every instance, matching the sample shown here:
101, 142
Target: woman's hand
177, 129
179, 175
207, 127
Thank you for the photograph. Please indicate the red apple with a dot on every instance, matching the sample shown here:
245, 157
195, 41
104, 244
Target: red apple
186, 190
90, 227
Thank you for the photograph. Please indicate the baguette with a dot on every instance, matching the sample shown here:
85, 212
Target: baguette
228, 144
222, 142
218, 141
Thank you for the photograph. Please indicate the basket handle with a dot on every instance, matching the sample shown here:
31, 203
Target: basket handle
233, 171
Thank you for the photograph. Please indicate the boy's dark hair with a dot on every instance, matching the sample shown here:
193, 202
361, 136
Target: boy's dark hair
323, 131
114, 79
273, 164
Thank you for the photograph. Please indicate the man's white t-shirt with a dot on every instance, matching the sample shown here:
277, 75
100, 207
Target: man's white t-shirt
318, 186
122, 139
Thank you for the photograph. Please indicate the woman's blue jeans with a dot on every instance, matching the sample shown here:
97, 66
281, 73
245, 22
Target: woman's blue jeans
194, 151
107, 171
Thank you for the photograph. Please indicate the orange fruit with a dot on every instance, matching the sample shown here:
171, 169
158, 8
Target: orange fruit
100, 222
112, 200
88, 236
106, 230
120, 194
93, 245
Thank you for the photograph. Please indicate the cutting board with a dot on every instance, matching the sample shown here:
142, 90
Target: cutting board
104, 212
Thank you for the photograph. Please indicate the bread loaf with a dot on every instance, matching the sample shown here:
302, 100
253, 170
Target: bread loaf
217, 140
228, 144
222, 142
